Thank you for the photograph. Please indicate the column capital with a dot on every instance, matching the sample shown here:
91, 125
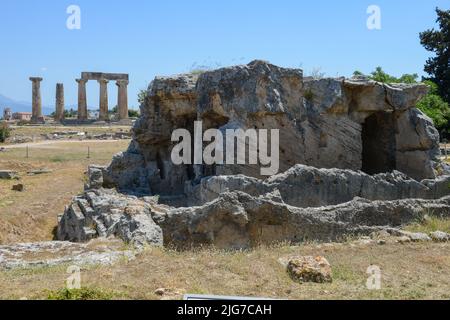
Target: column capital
103, 81
121, 83
82, 81
36, 79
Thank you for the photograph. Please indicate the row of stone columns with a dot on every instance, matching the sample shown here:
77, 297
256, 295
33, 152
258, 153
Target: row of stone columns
122, 99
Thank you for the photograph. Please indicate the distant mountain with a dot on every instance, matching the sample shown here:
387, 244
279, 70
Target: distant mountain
20, 106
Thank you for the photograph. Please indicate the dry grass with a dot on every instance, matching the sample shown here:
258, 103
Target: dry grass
32, 215
415, 271
430, 224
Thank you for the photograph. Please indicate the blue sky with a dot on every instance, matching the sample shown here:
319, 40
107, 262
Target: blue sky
146, 38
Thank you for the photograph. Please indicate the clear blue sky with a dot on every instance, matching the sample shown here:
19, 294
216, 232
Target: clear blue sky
146, 38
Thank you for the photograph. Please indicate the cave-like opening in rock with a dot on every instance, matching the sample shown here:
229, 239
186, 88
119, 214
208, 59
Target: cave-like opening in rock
378, 140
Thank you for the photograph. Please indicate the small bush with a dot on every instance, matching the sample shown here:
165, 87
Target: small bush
309, 95
80, 294
5, 132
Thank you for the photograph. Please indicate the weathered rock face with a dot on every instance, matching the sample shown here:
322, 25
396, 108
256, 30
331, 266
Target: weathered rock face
342, 123
355, 157
104, 214
235, 219
304, 187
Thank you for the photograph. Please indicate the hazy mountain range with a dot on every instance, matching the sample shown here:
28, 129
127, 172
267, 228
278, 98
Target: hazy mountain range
22, 106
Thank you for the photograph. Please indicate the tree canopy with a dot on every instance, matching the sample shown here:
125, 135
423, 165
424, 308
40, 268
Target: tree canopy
438, 42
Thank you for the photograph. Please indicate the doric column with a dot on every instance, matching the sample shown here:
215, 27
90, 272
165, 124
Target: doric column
82, 101
59, 112
37, 101
103, 99
122, 99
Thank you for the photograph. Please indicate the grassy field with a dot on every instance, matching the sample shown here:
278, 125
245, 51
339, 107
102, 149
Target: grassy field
32, 215
410, 271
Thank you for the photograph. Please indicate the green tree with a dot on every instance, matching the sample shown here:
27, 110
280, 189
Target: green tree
133, 113
438, 42
436, 108
5, 131
142, 95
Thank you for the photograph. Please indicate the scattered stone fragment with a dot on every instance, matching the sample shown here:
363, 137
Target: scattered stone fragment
415, 236
40, 171
160, 291
403, 239
310, 269
440, 236
18, 187
419, 237
8, 175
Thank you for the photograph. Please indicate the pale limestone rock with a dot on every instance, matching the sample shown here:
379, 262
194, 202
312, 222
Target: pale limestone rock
440, 236
310, 269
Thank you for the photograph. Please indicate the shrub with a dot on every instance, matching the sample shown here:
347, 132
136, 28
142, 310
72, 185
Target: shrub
133, 113
5, 132
80, 294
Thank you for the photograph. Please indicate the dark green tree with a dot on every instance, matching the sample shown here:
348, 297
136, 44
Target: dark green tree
438, 42
133, 113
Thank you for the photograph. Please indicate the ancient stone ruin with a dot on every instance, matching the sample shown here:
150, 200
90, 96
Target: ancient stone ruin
103, 79
356, 156
122, 81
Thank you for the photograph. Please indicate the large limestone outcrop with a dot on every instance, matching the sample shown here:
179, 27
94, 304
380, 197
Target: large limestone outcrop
355, 156
238, 220
354, 124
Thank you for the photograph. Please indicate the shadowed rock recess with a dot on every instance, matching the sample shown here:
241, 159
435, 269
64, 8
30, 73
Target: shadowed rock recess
356, 156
